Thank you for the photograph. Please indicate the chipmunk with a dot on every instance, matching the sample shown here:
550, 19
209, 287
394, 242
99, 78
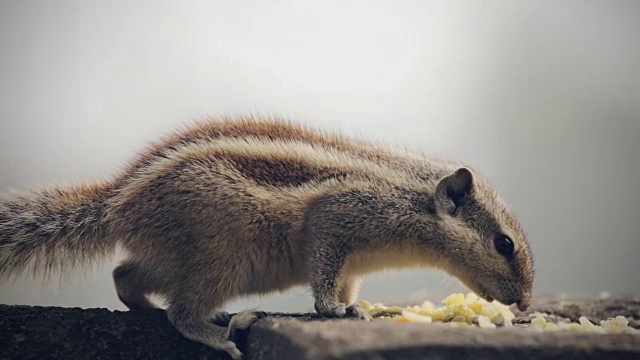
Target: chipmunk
238, 206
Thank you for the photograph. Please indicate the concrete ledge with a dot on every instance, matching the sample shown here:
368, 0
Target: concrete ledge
345, 339
71, 333
594, 308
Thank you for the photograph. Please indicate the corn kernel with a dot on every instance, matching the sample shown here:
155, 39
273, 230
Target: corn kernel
485, 323
539, 322
414, 317
457, 298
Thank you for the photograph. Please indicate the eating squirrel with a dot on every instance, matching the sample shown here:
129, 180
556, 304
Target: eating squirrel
231, 207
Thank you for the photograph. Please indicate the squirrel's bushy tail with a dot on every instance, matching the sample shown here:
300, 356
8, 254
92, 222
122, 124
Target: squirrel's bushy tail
54, 229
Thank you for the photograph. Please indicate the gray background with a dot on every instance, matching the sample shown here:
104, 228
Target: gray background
542, 96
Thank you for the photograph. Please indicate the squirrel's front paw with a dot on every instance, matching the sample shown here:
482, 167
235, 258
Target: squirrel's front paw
222, 318
338, 310
342, 311
356, 311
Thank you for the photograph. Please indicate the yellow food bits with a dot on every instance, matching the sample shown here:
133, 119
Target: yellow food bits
414, 317
618, 325
551, 327
461, 310
539, 321
458, 308
453, 299
476, 307
488, 311
498, 319
485, 323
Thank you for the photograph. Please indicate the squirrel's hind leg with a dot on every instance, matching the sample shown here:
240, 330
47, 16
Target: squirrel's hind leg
132, 285
192, 321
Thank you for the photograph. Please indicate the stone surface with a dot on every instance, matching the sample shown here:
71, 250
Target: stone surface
72, 333
594, 308
287, 338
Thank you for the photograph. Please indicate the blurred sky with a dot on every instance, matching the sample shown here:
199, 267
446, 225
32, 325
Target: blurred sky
542, 96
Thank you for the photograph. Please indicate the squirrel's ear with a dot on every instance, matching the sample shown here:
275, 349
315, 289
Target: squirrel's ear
453, 189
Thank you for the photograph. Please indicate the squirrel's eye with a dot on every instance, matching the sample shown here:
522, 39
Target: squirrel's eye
504, 245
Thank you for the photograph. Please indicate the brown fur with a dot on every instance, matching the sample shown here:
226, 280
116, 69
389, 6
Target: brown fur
227, 208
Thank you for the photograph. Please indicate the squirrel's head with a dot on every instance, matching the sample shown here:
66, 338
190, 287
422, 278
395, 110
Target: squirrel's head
485, 245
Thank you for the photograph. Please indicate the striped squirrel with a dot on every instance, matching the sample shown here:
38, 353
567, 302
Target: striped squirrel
239, 206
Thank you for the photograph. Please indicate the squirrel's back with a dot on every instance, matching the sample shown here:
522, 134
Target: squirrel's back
45, 228
258, 133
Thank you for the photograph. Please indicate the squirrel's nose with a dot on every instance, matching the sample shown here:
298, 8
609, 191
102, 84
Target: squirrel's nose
523, 304
525, 300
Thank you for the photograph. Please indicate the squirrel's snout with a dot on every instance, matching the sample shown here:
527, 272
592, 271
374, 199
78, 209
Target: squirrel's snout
523, 304
513, 293
525, 301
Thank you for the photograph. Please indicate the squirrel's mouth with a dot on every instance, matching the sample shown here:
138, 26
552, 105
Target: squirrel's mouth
485, 295
480, 291
475, 286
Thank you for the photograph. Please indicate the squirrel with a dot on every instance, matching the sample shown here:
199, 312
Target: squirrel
230, 207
